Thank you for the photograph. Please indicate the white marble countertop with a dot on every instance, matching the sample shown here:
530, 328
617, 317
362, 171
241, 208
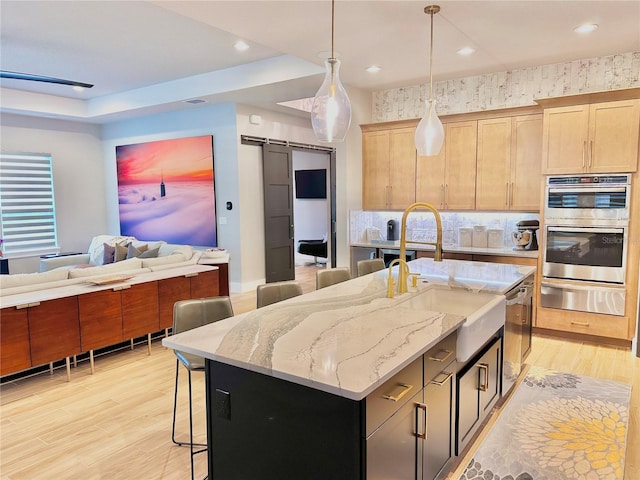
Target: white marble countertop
504, 251
84, 286
484, 277
346, 339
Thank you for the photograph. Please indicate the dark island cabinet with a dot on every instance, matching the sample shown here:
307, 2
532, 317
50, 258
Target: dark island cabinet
261, 427
478, 391
267, 428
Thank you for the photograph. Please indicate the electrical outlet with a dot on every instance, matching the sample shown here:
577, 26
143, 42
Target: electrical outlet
222, 404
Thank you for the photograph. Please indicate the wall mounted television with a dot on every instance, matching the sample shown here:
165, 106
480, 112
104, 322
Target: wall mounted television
166, 191
311, 183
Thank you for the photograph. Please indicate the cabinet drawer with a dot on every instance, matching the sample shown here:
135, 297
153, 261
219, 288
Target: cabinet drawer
439, 357
393, 394
600, 325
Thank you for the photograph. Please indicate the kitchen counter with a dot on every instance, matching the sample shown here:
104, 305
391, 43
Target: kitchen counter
349, 338
504, 251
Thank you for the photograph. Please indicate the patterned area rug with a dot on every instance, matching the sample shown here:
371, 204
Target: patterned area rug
557, 426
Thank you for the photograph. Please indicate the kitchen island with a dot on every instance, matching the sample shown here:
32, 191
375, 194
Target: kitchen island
301, 388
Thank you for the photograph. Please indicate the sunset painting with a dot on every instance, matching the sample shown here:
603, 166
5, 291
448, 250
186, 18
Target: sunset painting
166, 191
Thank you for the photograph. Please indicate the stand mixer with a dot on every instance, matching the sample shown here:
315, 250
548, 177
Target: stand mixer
525, 237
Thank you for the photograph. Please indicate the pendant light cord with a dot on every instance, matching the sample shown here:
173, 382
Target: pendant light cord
431, 62
333, 4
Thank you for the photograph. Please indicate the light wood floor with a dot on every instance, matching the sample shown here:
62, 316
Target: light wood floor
116, 424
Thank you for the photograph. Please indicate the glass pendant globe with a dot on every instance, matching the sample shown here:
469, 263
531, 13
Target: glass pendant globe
429, 135
331, 108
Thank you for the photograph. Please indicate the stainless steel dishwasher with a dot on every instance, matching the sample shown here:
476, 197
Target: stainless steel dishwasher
517, 331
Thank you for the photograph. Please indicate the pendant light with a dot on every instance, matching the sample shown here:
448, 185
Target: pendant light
331, 108
429, 135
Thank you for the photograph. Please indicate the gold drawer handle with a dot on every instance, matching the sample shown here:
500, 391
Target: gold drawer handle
425, 419
581, 324
439, 357
484, 386
448, 375
398, 392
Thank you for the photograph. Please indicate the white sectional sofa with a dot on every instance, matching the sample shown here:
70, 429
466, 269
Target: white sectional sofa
67, 270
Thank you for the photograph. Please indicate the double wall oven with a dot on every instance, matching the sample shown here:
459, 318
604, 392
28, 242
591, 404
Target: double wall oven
585, 237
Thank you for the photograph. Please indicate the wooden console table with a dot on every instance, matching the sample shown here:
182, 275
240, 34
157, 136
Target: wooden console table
43, 326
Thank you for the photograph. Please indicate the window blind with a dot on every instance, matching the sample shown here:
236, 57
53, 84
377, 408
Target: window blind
27, 206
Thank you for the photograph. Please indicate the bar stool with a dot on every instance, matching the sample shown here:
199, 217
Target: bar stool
188, 314
331, 276
276, 292
369, 266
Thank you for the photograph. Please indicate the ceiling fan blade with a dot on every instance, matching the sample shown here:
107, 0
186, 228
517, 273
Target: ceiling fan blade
40, 78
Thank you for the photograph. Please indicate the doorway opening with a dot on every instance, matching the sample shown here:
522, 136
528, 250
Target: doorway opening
316, 216
311, 207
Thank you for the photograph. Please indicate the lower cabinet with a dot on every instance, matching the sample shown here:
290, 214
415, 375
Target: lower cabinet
402, 430
417, 440
437, 447
393, 450
100, 319
26, 334
15, 354
54, 319
478, 390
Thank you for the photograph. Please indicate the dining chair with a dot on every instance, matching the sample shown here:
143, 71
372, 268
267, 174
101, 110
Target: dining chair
276, 292
369, 266
331, 276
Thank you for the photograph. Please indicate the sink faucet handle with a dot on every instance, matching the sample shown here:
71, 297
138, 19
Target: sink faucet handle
414, 279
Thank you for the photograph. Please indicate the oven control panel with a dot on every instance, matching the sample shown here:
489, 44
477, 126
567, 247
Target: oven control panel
590, 180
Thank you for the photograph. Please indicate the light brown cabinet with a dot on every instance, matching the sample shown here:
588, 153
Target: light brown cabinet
595, 138
388, 168
508, 163
448, 180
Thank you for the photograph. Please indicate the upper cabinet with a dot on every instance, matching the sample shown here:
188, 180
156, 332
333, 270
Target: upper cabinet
508, 163
448, 180
388, 168
595, 138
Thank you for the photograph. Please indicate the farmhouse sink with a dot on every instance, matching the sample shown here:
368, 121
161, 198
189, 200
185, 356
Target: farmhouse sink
485, 315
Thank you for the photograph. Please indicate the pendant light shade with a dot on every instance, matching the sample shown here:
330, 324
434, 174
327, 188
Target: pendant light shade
429, 135
331, 108
430, 132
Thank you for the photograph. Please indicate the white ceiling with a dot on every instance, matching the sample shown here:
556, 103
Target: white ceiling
149, 56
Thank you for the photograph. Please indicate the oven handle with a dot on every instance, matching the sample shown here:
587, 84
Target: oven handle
587, 286
589, 190
585, 230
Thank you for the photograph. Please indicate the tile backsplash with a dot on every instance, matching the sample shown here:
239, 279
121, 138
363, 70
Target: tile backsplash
421, 224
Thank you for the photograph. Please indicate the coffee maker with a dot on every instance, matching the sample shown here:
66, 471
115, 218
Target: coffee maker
525, 238
392, 230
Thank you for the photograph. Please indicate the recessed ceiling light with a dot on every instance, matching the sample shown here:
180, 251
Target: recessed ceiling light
78, 88
195, 101
241, 46
466, 51
586, 28
374, 68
